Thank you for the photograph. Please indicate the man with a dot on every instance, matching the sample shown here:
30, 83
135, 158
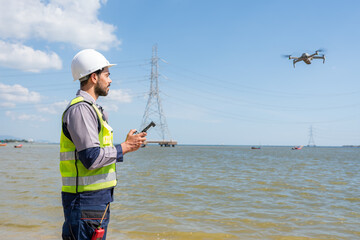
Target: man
87, 154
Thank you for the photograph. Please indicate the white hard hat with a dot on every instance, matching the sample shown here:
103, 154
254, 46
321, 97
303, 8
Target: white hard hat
86, 62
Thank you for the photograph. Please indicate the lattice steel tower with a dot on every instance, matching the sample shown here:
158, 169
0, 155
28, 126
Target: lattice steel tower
311, 138
153, 109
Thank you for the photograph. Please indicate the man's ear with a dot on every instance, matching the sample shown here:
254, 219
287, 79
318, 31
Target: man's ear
94, 78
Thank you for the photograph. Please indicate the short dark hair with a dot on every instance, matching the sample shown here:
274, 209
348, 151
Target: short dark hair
84, 82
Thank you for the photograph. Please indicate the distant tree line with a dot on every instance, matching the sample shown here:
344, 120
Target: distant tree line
14, 140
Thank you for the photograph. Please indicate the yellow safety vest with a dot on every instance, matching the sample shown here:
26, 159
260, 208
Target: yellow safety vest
75, 176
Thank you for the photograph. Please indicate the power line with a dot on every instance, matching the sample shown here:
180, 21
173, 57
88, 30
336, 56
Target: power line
245, 88
144, 62
214, 96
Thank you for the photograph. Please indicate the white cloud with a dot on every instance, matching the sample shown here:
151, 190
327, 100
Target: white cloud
24, 117
119, 95
60, 21
67, 21
54, 108
115, 96
18, 56
8, 105
110, 107
12, 94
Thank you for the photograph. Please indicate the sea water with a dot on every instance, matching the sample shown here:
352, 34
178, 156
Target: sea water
195, 193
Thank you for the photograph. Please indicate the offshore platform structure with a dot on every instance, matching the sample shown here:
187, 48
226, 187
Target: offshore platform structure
153, 110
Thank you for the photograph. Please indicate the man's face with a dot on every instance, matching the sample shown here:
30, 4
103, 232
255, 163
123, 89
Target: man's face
103, 83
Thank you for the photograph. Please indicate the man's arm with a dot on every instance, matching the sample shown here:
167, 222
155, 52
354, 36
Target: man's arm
82, 124
97, 157
93, 158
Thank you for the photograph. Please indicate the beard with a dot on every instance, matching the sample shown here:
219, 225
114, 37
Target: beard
101, 90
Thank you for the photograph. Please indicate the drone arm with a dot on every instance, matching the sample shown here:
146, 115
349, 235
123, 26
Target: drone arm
320, 57
313, 55
296, 60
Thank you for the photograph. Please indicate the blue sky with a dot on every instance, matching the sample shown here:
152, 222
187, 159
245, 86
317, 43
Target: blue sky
223, 81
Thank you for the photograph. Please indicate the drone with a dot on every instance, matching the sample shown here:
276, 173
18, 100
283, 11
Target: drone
307, 58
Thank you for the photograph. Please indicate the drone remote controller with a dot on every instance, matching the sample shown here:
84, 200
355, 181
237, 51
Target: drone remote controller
152, 124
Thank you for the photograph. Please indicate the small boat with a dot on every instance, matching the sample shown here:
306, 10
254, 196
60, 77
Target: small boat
18, 146
255, 147
3, 144
297, 148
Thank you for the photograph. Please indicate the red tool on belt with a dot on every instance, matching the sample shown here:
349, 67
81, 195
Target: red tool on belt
99, 231
98, 234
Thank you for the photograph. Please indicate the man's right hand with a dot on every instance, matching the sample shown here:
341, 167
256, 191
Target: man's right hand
133, 142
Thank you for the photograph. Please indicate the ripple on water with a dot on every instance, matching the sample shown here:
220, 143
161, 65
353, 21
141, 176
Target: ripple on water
197, 192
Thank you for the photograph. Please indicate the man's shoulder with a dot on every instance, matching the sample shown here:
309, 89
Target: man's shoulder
80, 108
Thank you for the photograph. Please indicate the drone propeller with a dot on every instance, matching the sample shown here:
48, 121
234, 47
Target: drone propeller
321, 50
286, 56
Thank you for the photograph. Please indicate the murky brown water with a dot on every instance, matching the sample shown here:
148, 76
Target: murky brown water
196, 192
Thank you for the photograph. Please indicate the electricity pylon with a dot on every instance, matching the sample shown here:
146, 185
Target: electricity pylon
153, 110
311, 138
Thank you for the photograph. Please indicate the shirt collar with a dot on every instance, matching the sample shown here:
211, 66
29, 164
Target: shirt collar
86, 96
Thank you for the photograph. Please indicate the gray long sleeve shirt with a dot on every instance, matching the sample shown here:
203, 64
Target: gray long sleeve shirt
82, 124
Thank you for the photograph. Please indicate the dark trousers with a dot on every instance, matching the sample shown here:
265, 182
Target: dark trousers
81, 219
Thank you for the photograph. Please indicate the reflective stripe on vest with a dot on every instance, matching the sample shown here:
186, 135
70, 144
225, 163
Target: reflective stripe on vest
77, 178
64, 156
88, 180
